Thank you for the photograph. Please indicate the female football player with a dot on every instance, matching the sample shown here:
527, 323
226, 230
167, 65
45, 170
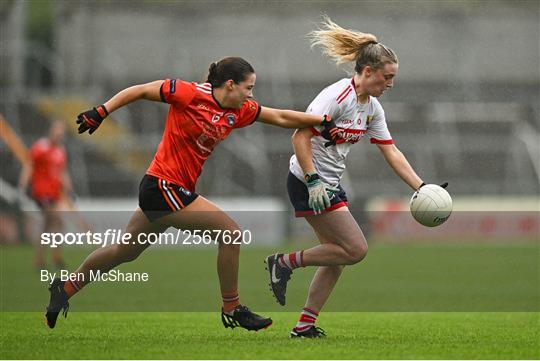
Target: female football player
200, 116
317, 166
49, 179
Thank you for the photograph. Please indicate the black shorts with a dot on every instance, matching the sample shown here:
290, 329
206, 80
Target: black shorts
299, 196
158, 197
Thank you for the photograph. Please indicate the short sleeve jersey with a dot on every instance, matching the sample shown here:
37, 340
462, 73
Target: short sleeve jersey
355, 121
48, 165
195, 125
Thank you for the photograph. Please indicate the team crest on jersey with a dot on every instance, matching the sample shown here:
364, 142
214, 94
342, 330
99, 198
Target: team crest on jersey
215, 118
230, 119
369, 119
185, 191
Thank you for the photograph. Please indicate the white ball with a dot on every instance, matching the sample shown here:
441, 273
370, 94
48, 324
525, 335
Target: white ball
431, 205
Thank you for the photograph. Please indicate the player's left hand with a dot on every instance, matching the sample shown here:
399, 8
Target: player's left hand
91, 119
319, 193
330, 131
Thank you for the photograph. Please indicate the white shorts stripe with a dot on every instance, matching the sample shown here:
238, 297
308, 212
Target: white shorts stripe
169, 195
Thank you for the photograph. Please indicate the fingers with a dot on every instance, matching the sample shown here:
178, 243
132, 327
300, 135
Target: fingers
444, 185
326, 200
312, 203
317, 206
331, 190
315, 202
82, 124
83, 127
319, 201
329, 144
88, 121
322, 202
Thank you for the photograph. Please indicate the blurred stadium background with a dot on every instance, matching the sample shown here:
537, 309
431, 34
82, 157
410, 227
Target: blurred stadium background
464, 109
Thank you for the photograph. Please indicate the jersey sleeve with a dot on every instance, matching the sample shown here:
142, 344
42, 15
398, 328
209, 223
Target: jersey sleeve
248, 113
378, 132
177, 92
321, 106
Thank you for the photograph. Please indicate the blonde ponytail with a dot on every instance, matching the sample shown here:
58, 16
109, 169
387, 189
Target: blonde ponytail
343, 46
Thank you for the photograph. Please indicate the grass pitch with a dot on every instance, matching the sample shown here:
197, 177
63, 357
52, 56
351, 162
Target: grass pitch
482, 302
200, 335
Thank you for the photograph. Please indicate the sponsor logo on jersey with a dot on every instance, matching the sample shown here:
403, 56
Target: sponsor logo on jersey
215, 118
230, 119
352, 135
347, 121
202, 106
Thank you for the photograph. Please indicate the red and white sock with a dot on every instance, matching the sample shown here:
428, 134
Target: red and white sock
292, 260
230, 301
72, 287
307, 319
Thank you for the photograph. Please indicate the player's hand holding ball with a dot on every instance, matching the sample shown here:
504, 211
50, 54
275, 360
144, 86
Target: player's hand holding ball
431, 204
91, 119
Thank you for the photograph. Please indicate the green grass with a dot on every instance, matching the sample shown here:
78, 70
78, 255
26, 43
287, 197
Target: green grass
486, 300
392, 278
199, 335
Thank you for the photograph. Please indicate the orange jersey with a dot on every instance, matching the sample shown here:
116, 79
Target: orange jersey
48, 165
195, 125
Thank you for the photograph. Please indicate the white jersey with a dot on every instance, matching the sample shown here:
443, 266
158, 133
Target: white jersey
355, 120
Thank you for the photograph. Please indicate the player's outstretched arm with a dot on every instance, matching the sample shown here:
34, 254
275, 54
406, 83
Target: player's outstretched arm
148, 91
395, 158
91, 119
293, 119
289, 118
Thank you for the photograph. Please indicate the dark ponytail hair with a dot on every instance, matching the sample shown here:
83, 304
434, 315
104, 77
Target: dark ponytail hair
233, 68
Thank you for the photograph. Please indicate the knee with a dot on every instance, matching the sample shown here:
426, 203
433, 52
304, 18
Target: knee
225, 245
357, 254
